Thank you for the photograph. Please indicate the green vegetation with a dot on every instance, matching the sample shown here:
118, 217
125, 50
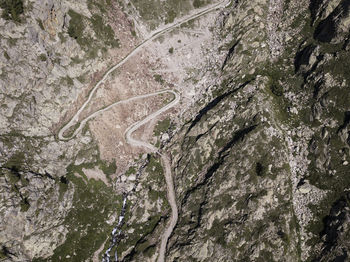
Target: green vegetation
12, 41
104, 32
171, 15
82, 79
42, 57
156, 178
6, 55
2, 254
71, 130
158, 78
131, 170
108, 169
141, 230
62, 37
40, 23
171, 50
101, 6
12, 9
69, 81
161, 127
76, 27
16, 161
24, 204
218, 232
153, 13
339, 66
140, 238
198, 3
155, 169
63, 187
15, 180
93, 202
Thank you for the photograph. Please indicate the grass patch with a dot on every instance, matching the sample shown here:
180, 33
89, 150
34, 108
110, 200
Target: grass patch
161, 127
42, 57
198, 3
24, 205
16, 161
104, 31
104, 34
159, 79
40, 23
108, 169
76, 27
92, 203
154, 167
6, 55
130, 171
153, 12
12, 9
12, 41
141, 230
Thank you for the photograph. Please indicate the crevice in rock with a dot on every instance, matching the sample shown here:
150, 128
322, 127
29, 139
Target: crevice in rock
200, 135
133, 252
230, 53
326, 30
238, 135
331, 226
16, 171
314, 7
213, 103
302, 57
197, 215
345, 122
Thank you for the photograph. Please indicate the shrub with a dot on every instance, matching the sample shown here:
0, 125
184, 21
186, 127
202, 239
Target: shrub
6, 55
76, 26
197, 3
103, 31
40, 22
42, 57
12, 9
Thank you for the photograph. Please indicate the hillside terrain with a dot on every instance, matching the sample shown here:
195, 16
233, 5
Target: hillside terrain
194, 130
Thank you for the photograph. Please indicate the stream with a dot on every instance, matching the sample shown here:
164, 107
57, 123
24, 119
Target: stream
116, 233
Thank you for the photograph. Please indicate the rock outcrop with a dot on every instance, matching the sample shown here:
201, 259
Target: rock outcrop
260, 147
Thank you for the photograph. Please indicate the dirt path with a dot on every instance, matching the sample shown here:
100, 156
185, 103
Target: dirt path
140, 123
135, 126
153, 35
167, 173
174, 210
83, 122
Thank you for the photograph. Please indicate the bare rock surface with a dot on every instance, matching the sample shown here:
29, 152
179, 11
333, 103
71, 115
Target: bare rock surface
259, 143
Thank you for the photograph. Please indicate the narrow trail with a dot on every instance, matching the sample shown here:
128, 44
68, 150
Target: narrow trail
125, 101
174, 210
153, 35
128, 133
167, 173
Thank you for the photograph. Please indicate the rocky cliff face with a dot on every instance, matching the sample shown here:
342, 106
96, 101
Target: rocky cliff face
259, 147
262, 168
51, 53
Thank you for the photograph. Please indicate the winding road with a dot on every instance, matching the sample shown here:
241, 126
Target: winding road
128, 133
167, 167
75, 119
